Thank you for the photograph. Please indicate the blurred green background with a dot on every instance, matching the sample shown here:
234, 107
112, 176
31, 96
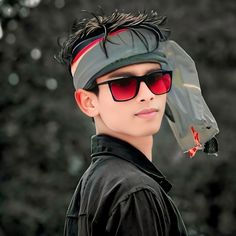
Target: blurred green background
45, 140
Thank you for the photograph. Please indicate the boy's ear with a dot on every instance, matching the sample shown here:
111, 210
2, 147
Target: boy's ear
87, 102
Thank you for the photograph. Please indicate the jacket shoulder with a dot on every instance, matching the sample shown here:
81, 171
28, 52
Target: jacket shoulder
114, 177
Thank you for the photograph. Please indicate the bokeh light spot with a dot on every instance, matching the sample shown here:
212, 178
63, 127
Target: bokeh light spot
12, 129
75, 164
24, 12
36, 54
1, 31
12, 25
30, 3
11, 39
51, 84
7, 11
13, 79
59, 4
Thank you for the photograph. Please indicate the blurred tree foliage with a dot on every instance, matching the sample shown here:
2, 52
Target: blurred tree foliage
45, 140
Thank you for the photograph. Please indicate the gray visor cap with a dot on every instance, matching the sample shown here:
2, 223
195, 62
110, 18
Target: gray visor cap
124, 48
151, 57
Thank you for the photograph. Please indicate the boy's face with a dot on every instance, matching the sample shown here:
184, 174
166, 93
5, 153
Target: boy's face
140, 116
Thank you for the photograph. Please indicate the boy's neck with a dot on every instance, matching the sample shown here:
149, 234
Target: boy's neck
143, 144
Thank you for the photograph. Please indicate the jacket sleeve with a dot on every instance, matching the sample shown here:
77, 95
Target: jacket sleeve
141, 213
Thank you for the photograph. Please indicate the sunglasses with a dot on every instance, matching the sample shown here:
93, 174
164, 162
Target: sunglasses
126, 88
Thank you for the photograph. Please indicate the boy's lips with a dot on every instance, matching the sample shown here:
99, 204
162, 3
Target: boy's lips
147, 112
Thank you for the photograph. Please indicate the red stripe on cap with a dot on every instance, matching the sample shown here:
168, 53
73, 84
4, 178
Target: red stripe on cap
90, 45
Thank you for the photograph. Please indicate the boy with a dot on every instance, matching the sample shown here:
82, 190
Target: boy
122, 81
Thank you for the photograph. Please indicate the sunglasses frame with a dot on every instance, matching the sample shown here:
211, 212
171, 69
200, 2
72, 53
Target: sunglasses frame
139, 79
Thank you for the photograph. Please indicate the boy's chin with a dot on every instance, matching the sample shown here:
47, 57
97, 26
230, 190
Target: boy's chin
146, 132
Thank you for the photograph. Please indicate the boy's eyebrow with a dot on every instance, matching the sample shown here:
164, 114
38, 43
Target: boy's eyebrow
129, 73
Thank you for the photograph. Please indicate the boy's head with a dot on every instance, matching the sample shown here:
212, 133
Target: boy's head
120, 76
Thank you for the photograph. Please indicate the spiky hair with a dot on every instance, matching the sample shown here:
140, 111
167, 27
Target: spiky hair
105, 24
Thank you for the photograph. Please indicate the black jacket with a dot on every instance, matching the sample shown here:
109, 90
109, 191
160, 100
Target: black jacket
122, 193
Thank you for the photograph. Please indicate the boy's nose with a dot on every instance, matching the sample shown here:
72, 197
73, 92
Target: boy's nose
144, 93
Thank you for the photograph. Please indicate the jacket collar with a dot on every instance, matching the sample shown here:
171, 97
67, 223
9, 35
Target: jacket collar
104, 145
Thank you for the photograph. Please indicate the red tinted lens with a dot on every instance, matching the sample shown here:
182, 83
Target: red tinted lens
123, 89
159, 83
